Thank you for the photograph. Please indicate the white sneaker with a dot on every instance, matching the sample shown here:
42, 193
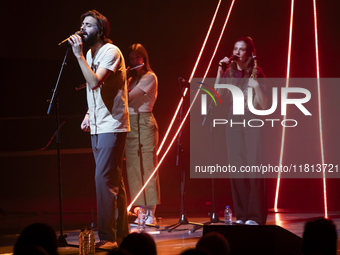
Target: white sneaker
239, 222
251, 222
150, 220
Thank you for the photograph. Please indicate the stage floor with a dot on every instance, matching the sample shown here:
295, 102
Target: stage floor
167, 243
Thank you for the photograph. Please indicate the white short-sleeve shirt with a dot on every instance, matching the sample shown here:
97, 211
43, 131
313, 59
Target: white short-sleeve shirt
144, 103
108, 104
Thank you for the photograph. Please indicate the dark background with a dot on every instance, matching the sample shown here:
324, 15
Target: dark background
173, 33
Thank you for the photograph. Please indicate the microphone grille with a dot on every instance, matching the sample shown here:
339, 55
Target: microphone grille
80, 33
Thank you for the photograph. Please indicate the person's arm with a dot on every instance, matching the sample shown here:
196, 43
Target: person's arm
146, 82
220, 74
93, 79
85, 125
260, 95
135, 91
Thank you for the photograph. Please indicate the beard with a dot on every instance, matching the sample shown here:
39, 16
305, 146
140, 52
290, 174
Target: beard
90, 39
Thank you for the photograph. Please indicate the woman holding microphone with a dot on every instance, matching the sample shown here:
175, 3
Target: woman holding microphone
245, 143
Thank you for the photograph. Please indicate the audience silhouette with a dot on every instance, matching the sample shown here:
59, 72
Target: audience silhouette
214, 243
319, 237
38, 238
195, 252
139, 244
118, 251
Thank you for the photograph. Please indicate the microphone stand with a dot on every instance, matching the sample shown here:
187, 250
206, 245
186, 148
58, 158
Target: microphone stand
213, 215
179, 158
54, 101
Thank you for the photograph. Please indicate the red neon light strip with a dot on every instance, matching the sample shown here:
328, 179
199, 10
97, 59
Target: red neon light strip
319, 106
213, 55
170, 126
178, 107
284, 117
219, 39
205, 41
191, 76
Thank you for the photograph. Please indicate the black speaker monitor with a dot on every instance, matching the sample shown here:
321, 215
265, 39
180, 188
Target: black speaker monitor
262, 239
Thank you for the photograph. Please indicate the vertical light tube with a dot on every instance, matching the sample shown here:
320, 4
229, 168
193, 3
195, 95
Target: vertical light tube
284, 117
319, 107
219, 39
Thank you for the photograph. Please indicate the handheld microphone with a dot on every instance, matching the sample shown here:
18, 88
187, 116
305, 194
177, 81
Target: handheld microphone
234, 57
65, 42
224, 65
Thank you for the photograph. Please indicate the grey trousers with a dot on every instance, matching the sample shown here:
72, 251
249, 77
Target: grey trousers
108, 151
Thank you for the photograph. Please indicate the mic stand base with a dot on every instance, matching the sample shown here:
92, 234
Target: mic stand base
213, 219
183, 221
62, 242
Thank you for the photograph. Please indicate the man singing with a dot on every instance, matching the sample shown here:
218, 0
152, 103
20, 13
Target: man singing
107, 119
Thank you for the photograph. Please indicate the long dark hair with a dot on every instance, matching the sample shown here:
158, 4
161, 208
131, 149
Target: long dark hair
250, 51
102, 24
137, 47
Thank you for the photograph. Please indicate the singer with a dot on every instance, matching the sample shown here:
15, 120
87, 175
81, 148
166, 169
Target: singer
108, 121
142, 141
245, 144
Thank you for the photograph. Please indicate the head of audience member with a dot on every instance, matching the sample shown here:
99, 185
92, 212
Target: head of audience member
38, 238
195, 252
139, 244
32, 250
319, 237
118, 251
214, 243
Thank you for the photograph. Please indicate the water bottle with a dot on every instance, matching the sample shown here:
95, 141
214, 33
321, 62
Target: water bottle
85, 249
228, 216
141, 219
81, 241
91, 240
